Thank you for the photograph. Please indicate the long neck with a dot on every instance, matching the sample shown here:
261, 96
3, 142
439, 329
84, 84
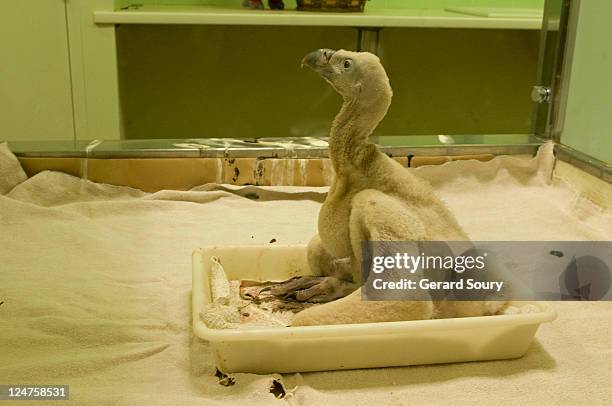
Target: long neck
351, 128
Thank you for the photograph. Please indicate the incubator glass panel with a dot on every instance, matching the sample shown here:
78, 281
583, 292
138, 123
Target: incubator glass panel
173, 77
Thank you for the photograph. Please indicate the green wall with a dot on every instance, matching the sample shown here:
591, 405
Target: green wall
197, 81
232, 81
588, 113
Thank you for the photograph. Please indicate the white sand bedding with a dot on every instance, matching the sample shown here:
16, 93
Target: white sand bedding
95, 282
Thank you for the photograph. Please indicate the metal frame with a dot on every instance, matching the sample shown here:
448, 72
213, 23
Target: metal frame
563, 71
368, 39
281, 148
553, 39
556, 52
584, 162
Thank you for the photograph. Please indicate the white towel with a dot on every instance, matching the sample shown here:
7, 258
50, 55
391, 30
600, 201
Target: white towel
96, 285
11, 172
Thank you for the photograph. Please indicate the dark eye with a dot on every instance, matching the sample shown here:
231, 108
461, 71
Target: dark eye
347, 63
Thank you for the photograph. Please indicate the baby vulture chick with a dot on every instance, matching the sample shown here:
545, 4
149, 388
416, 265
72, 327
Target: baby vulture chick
372, 198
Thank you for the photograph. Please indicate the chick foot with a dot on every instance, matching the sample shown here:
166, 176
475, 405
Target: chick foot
313, 289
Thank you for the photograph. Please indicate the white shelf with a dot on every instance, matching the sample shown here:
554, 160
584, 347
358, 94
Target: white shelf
158, 14
499, 12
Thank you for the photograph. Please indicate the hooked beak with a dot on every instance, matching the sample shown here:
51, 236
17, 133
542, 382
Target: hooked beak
318, 60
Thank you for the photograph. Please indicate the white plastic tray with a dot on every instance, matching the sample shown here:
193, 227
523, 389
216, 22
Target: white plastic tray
318, 348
